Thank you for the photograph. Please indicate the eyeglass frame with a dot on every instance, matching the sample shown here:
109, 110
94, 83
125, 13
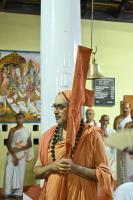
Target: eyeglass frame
59, 107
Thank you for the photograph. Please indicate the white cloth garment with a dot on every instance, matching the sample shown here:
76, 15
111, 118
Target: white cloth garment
124, 121
92, 123
14, 175
19, 140
25, 197
15, 180
111, 153
124, 192
124, 163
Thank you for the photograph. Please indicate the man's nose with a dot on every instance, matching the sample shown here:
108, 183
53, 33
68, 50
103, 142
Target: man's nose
56, 111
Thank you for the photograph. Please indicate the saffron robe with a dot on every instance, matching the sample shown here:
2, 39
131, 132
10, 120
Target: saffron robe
90, 152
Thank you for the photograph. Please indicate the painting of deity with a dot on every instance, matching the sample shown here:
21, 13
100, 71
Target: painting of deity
19, 85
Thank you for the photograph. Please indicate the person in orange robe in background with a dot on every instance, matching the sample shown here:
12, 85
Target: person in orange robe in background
86, 172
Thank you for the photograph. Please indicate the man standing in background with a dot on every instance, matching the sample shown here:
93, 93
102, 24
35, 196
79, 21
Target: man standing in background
19, 151
119, 123
121, 120
111, 152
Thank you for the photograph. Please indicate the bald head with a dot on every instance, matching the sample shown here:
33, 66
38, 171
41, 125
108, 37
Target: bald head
90, 114
104, 121
126, 108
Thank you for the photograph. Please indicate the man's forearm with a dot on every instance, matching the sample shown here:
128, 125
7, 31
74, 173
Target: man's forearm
17, 149
27, 146
42, 172
10, 149
84, 172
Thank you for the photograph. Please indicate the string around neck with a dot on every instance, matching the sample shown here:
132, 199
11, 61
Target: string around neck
58, 136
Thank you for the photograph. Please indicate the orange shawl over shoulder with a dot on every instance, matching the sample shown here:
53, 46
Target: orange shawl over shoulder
90, 153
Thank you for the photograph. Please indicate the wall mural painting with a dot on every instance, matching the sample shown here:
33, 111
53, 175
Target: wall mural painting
19, 85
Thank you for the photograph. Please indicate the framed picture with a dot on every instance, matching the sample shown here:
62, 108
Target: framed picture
19, 85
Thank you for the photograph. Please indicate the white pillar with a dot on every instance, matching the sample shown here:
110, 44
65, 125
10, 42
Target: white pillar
60, 36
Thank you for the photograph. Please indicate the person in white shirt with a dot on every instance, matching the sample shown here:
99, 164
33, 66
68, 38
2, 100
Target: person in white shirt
111, 152
19, 146
122, 156
121, 120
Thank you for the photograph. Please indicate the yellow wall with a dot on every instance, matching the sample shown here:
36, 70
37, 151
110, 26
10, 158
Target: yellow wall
115, 56
114, 42
19, 32
115, 49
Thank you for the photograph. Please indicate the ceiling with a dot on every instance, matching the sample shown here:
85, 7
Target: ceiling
109, 10
21, 6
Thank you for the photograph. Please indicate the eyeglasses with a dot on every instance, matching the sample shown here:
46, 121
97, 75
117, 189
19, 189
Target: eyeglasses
59, 107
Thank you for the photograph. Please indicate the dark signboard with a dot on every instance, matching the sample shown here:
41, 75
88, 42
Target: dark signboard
104, 89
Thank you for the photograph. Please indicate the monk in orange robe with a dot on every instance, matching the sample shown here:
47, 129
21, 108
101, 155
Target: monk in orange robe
85, 174
72, 157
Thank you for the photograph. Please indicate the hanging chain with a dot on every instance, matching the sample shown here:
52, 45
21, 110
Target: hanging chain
92, 12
